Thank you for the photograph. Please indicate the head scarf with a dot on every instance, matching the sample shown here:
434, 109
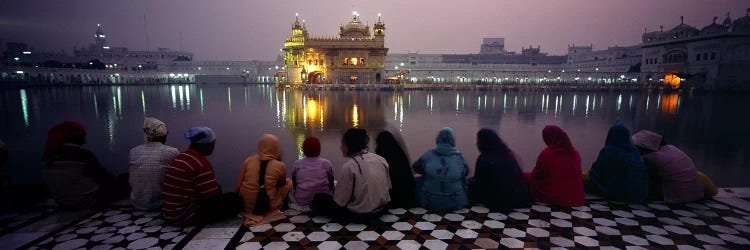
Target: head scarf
311, 146
556, 138
446, 142
268, 148
200, 135
647, 139
619, 135
355, 140
65, 132
488, 141
153, 128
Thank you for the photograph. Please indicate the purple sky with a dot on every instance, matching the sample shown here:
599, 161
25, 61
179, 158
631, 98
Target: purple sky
255, 29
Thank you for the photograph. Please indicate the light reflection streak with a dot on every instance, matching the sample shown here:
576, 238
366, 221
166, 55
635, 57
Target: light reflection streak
457, 99
355, 116
182, 102
304, 111
200, 94
119, 101
587, 106
24, 107
575, 99
229, 99
143, 103
174, 98
556, 103
187, 97
648, 98
619, 102
96, 107
505, 101
593, 106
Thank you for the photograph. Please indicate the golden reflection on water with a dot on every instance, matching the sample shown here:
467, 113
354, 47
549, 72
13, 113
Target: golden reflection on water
669, 103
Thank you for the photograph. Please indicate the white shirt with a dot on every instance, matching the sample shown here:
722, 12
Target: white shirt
148, 163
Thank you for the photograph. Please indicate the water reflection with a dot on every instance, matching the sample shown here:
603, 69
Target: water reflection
706, 126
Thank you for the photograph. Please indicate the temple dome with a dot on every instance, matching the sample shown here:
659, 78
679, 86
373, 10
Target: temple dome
354, 29
713, 28
742, 24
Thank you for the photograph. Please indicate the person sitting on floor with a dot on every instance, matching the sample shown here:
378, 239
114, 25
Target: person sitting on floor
311, 175
190, 193
402, 178
618, 174
73, 175
262, 183
443, 185
498, 182
674, 177
363, 183
148, 163
557, 178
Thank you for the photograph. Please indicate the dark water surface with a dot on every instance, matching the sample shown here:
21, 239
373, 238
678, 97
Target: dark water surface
712, 128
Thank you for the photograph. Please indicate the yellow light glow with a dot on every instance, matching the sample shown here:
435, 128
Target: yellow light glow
312, 109
354, 61
669, 103
355, 116
672, 80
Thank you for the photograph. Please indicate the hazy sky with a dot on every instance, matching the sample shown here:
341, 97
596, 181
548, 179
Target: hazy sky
255, 29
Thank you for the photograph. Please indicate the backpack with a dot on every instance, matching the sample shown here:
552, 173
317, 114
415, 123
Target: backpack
263, 202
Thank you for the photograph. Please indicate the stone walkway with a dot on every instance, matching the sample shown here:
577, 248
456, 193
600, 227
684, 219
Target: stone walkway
723, 223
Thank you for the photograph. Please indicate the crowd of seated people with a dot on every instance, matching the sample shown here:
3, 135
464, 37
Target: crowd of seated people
182, 185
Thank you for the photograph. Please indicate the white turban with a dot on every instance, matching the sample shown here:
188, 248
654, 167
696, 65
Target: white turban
153, 128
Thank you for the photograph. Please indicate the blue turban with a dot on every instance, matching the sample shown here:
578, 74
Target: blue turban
200, 135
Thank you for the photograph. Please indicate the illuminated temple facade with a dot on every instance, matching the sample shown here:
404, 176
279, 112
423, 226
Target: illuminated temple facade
355, 57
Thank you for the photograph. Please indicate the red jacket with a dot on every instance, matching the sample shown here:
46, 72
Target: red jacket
557, 177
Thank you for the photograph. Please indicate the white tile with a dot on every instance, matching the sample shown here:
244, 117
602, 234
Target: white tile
723, 229
318, 236
511, 242
388, 218
442, 234
435, 244
293, 236
709, 239
198, 244
486, 243
734, 239
539, 223
540, 208
471, 224
515, 233
635, 240
321, 219
408, 245
329, 245
586, 241
368, 235
393, 235
250, 246
692, 221
684, 213
466, 233
422, 225
661, 240
418, 210
560, 223
605, 222
735, 220
355, 227
607, 230
581, 214
585, 231
356, 245
299, 219
561, 215
261, 228
397, 211
276, 246
518, 216
643, 213
626, 221
480, 209
216, 233
284, 227
332, 227
497, 216
623, 214
402, 226
432, 217
537, 232
562, 242
454, 217
677, 230
491, 224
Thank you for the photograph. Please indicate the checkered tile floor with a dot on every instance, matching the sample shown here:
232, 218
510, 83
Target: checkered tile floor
600, 224
117, 227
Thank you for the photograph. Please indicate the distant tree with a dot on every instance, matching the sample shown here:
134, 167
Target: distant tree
95, 64
52, 64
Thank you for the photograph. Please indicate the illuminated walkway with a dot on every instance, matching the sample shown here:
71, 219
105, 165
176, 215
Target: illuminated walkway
720, 223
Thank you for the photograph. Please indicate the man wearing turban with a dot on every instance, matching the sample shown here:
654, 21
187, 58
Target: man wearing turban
148, 163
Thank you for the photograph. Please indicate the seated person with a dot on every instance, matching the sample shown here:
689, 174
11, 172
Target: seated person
263, 172
618, 174
557, 178
498, 182
444, 170
363, 184
674, 177
73, 175
148, 163
190, 194
311, 175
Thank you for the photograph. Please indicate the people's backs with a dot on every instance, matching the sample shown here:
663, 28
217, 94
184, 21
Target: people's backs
444, 183
148, 164
399, 168
249, 186
498, 180
68, 184
189, 179
363, 183
676, 173
557, 178
311, 175
619, 173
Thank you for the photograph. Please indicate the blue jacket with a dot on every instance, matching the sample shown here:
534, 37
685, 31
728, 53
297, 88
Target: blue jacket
445, 169
619, 173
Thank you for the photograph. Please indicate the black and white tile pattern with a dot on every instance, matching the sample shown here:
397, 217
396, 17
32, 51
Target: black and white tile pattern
117, 228
599, 224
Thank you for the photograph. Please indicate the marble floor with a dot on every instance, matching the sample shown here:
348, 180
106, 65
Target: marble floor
722, 223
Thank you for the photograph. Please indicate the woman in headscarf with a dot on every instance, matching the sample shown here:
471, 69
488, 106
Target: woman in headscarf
444, 170
557, 177
265, 164
73, 174
402, 179
498, 182
618, 173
